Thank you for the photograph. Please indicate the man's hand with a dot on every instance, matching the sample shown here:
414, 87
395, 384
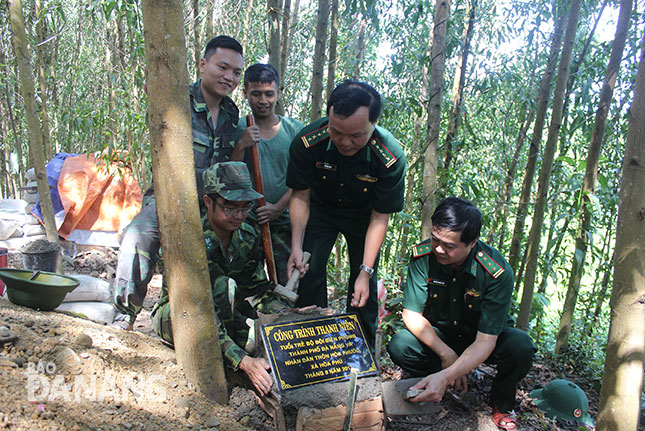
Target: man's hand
267, 213
295, 262
256, 369
361, 290
434, 386
250, 136
447, 359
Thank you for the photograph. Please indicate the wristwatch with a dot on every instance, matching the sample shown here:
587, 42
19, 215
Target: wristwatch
367, 269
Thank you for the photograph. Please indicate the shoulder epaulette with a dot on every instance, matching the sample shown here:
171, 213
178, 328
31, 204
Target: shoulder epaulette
422, 249
384, 155
492, 267
315, 137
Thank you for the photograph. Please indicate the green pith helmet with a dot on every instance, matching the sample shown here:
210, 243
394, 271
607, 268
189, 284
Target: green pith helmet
561, 399
230, 180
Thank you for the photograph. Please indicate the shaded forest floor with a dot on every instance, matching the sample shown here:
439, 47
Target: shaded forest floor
151, 392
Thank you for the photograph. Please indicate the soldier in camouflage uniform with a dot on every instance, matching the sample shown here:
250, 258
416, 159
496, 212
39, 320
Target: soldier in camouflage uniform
214, 123
239, 285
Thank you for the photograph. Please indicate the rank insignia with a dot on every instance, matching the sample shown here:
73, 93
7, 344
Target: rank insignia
437, 282
421, 249
474, 293
381, 151
315, 137
492, 267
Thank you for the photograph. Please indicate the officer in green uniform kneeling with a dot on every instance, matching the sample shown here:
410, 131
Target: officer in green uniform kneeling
236, 271
455, 309
347, 176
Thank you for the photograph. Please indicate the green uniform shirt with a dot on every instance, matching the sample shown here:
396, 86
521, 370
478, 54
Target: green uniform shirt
242, 263
373, 178
209, 145
477, 298
274, 158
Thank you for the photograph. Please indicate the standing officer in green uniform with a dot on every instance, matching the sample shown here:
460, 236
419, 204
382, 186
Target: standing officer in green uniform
214, 119
455, 309
239, 285
347, 176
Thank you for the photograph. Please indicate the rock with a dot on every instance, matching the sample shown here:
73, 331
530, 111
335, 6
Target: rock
7, 363
66, 359
126, 425
245, 420
29, 323
7, 335
212, 422
18, 361
83, 340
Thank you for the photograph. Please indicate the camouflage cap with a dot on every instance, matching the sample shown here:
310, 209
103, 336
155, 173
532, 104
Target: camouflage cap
230, 180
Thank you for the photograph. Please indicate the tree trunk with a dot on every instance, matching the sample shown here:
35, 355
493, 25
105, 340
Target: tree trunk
333, 47
360, 48
620, 394
438, 59
210, 9
113, 73
273, 16
505, 200
247, 23
534, 149
186, 271
12, 120
289, 19
31, 112
197, 48
458, 89
322, 22
42, 65
547, 164
591, 173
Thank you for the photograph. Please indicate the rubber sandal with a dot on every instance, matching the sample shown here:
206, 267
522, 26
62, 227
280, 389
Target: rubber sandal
505, 421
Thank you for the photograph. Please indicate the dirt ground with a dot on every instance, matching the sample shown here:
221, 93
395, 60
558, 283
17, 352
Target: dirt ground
68, 373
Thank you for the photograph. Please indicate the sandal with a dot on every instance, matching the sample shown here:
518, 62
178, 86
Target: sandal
505, 421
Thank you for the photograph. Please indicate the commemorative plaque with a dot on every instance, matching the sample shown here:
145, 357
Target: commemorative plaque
317, 350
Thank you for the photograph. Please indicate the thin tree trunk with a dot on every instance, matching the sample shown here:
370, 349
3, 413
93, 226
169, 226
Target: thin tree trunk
191, 305
42, 65
285, 47
458, 89
247, 24
534, 148
360, 48
113, 72
333, 47
12, 121
505, 200
620, 395
210, 8
547, 164
31, 112
273, 16
322, 21
437, 64
197, 48
591, 174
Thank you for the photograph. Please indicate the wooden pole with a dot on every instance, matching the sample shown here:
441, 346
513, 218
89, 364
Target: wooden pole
259, 186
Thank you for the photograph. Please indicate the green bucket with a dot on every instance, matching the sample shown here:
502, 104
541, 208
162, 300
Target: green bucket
37, 289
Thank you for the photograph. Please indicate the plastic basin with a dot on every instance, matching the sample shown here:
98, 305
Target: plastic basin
45, 292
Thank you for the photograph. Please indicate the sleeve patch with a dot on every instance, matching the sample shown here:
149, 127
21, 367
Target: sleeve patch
492, 267
381, 151
421, 249
315, 137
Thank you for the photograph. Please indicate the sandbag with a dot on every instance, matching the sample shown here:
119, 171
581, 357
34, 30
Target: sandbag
90, 289
98, 311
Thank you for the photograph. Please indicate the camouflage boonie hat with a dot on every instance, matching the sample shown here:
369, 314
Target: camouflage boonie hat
230, 180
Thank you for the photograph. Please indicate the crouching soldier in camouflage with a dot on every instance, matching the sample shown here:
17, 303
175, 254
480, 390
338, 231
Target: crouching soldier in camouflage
238, 282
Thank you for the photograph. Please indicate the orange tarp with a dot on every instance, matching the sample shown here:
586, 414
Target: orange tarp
96, 197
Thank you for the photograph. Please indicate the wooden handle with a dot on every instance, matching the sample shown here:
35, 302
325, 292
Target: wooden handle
259, 187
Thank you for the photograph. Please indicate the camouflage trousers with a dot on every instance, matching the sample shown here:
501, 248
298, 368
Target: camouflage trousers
236, 323
138, 254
